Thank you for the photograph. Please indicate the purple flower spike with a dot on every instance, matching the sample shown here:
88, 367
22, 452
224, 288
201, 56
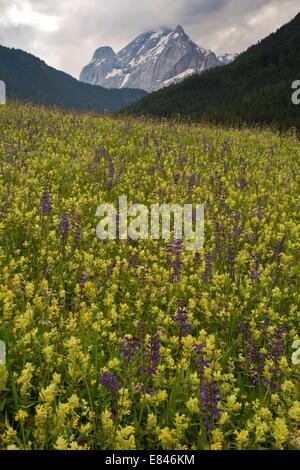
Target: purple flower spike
111, 383
256, 271
130, 348
175, 248
46, 206
256, 360
210, 398
201, 362
181, 318
208, 267
77, 231
276, 353
152, 356
84, 279
64, 225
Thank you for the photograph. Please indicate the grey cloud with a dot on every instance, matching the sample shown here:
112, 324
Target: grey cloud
194, 7
24, 33
84, 25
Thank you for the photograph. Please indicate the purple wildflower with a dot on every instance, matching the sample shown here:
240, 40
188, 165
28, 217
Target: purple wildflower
243, 184
256, 271
278, 250
175, 248
76, 230
239, 227
111, 170
219, 237
276, 343
111, 268
256, 360
132, 260
7, 201
225, 146
181, 318
244, 328
201, 362
46, 206
146, 140
208, 267
152, 356
130, 348
176, 178
84, 279
141, 388
230, 257
64, 225
275, 354
210, 398
224, 316
22, 286
151, 170
111, 383
102, 151
191, 183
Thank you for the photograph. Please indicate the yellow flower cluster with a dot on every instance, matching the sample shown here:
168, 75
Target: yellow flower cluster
137, 344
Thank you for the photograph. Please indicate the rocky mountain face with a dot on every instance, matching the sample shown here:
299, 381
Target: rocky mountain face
227, 58
151, 61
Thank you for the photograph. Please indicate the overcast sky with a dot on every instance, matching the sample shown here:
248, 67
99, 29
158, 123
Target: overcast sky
65, 33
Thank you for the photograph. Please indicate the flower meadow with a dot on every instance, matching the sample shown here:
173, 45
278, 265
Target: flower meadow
141, 344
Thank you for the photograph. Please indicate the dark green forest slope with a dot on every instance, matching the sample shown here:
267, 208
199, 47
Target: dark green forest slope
29, 79
255, 88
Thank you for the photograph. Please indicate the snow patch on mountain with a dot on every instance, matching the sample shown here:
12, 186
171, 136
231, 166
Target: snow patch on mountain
227, 58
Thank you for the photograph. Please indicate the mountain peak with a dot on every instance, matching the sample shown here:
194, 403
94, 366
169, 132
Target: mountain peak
153, 60
161, 31
103, 53
179, 29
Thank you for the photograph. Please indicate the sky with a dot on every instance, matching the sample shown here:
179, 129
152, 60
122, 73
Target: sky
65, 33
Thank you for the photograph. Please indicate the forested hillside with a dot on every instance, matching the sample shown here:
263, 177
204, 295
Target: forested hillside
29, 79
255, 88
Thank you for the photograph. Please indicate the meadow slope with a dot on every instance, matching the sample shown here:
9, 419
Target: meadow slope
143, 344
